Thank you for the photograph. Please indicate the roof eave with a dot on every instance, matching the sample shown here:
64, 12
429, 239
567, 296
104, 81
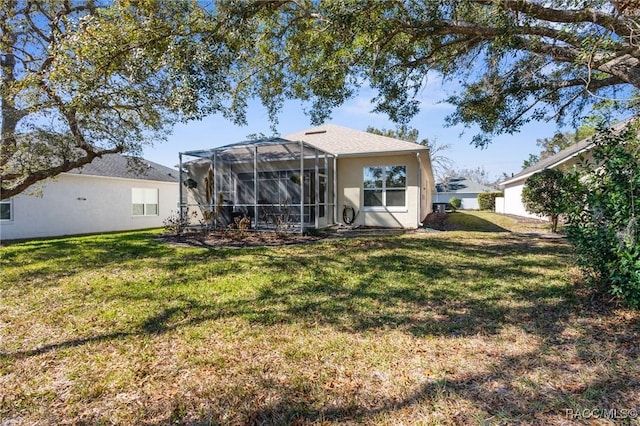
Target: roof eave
380, 153
550, 166
128, 178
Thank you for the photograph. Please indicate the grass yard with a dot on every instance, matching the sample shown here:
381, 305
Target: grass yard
454, 327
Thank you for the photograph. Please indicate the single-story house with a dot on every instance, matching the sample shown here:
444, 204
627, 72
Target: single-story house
460, 187
314, 178
102, 196
564, 160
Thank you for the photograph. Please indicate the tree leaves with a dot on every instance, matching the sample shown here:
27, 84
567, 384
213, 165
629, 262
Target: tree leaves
113, 77
106, 79
515, 61
547, 193
603, 217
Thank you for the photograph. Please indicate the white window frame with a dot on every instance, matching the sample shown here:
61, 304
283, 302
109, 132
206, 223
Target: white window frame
384, 207
145, 197
8, 201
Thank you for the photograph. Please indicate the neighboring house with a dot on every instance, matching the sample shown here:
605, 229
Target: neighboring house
312, 179
462, 188
105, 195
563, 160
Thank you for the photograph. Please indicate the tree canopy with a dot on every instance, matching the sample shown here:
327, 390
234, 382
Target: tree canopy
82, 79
85, 78
513, 60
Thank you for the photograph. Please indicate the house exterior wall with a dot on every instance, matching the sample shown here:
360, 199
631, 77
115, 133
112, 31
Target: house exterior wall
513, 190
348, 187
427, 184
351, 192
512, 203
469, 200
78, 204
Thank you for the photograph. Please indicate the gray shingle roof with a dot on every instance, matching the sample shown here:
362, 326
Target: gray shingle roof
338, 140
462, 185
564, 155
116, 165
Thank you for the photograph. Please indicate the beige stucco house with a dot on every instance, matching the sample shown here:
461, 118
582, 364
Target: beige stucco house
314, 178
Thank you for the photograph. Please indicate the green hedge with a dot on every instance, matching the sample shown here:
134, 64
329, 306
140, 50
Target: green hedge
455, 203
487, 200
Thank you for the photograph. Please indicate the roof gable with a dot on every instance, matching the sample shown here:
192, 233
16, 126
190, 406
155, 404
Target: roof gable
340, 141
118, 166
566, 154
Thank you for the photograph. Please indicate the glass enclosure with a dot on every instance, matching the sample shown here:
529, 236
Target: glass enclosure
278, 184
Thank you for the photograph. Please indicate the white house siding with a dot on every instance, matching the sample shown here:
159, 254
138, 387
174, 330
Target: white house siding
469, 200
79, 204
513, 187
351, 192
513, 201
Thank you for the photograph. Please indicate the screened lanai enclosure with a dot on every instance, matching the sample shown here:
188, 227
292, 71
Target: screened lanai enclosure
270, 184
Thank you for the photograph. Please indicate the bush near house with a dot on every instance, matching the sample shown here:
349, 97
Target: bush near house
547, 193
604, 213
487, 200
455, 203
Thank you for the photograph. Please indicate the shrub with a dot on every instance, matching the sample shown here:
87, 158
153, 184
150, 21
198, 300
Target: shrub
455, 203
547, 193
487, 200
604, 213
241, 224
175, 223
312, 232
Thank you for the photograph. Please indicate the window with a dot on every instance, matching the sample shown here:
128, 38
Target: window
6, 211
144, 201
385, 186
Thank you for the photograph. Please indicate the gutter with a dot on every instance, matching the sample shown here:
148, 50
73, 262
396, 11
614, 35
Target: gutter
379, 154
551, 166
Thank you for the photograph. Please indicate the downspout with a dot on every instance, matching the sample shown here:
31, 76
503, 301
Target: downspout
255, 187
335, 190
419, 188
302, 187
317, 190
419, 221
180, 194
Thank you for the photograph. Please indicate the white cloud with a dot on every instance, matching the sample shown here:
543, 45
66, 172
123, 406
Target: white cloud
360, 105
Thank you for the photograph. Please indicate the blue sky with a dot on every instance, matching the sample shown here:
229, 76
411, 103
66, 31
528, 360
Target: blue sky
505, 154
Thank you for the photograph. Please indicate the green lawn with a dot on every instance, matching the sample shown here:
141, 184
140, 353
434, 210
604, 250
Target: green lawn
424, 328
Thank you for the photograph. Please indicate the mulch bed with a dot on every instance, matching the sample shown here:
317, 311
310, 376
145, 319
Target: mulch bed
238, 240
235, 239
